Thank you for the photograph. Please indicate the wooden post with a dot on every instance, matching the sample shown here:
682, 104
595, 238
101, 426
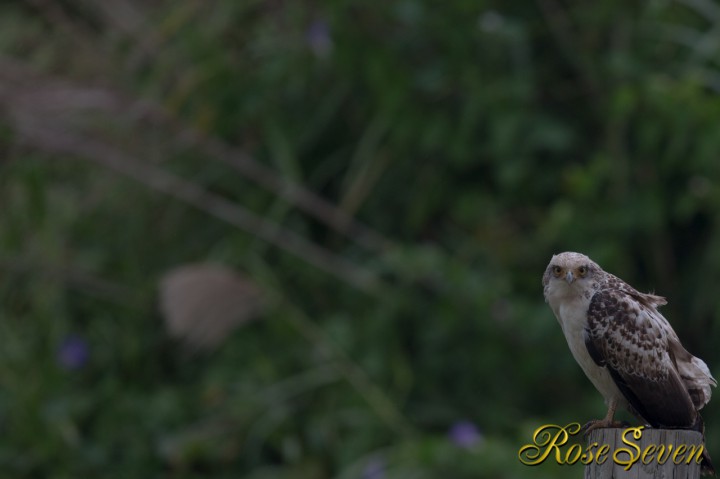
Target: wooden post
649, 443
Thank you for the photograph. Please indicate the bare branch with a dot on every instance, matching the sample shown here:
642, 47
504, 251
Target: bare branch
14, 78
56, 141
292, 192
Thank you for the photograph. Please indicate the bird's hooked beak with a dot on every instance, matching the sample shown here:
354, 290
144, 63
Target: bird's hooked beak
569, 277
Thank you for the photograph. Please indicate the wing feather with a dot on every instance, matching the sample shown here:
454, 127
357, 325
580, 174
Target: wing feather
627, 335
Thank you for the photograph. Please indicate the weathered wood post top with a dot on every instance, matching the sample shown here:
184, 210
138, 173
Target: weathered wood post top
639, 453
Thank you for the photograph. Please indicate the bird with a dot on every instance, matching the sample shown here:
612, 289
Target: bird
627, 348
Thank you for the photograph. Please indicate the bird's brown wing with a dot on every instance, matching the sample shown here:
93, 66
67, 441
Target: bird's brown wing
631, 340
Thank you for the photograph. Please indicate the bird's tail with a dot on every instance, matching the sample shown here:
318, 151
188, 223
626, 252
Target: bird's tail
695, 375
706, 466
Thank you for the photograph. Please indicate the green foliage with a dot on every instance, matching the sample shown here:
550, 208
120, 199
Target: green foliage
477, 137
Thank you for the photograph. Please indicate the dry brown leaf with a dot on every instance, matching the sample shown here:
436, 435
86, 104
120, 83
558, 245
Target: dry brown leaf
203, 303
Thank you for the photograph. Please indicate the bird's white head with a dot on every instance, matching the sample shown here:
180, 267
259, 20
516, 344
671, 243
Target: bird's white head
569, 273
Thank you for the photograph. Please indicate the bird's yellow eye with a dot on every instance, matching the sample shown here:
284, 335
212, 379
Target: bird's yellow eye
557, 271
582, 271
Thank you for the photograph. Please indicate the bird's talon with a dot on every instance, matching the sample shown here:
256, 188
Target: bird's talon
587, 428
601, 424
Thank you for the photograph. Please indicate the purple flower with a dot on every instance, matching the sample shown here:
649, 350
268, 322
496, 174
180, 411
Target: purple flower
318, 38
465, 434
73, 352
374, 469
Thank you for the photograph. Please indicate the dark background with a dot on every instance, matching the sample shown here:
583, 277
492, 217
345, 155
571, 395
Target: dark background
457, 146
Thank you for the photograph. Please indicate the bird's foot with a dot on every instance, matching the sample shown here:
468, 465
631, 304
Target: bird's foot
602, 424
